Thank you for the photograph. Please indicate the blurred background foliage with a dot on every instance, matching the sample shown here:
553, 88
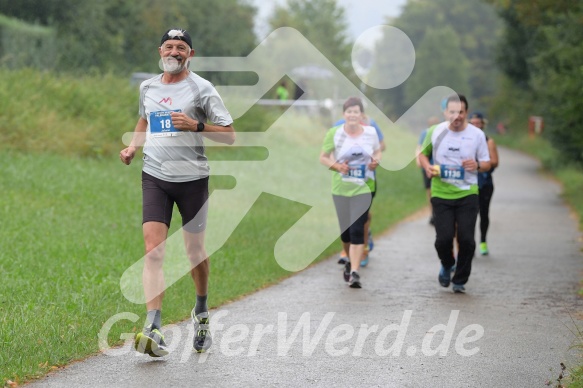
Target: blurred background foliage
123, 36
512, 58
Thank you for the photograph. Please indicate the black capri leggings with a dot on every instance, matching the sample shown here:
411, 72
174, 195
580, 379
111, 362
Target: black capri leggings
352, 214
485, 197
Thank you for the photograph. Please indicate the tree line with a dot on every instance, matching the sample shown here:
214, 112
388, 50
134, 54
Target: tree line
541, 56
454, 42
527, 51
121, 36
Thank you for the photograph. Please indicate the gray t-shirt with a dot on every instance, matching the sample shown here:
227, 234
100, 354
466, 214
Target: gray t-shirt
170, 154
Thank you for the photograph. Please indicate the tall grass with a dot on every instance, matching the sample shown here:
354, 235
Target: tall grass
72, 220
72, 116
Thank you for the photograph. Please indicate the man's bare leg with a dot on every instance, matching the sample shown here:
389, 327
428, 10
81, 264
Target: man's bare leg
155, 234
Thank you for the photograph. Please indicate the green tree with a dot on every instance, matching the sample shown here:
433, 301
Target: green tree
122, 35
515, 48
477, 27
440, 61
43, 12
323, 23
544, 57
521, 37
130, 33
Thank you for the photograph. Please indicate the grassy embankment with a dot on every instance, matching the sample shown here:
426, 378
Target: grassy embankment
72, 220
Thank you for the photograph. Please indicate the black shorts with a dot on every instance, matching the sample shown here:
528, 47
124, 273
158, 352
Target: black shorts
159, 197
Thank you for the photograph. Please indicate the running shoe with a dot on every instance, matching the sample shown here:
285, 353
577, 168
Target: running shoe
202, 335
458, 288
151, 342
346, 272
484, 249
370, 241
364, 262
354, 281
445, 276
343, 260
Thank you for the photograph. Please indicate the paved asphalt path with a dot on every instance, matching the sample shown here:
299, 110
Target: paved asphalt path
512, 328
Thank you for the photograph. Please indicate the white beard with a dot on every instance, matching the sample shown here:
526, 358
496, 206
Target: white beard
172, 66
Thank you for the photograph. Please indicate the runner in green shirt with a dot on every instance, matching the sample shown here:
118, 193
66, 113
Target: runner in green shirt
352, 151
459, 152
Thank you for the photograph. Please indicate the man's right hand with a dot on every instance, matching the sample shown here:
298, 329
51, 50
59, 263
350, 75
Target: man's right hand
127, 154
432, 170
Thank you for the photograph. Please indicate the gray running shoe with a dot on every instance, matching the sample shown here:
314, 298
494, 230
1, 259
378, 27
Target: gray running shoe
346, 273
151, 342
354, 281
202, 335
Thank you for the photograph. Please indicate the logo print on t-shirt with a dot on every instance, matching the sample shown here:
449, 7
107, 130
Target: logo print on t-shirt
355, 154
166, 100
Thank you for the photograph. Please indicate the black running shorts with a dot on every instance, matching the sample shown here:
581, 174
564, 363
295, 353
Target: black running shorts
159, 197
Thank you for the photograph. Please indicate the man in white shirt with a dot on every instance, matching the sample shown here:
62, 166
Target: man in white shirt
459, 152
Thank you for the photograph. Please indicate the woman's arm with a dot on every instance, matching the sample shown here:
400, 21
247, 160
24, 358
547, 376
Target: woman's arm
493, 153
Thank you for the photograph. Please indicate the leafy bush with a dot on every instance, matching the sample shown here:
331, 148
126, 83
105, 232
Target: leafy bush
26, 45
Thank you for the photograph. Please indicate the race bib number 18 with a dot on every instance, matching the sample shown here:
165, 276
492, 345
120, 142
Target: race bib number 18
161, 124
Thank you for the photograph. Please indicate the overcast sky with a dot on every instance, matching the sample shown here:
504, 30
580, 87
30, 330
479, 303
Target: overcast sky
360, 14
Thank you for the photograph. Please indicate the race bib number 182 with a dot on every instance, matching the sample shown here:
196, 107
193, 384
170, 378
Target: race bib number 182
357, 171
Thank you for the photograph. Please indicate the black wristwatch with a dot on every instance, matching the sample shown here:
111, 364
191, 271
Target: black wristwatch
199, 127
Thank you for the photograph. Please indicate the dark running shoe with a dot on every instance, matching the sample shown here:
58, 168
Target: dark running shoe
354, 281
346, 272
343, 260
202, 335
151, 342
445, 276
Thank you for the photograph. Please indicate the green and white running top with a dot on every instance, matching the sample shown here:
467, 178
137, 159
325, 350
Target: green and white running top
357, 151
449, 149
170, 154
